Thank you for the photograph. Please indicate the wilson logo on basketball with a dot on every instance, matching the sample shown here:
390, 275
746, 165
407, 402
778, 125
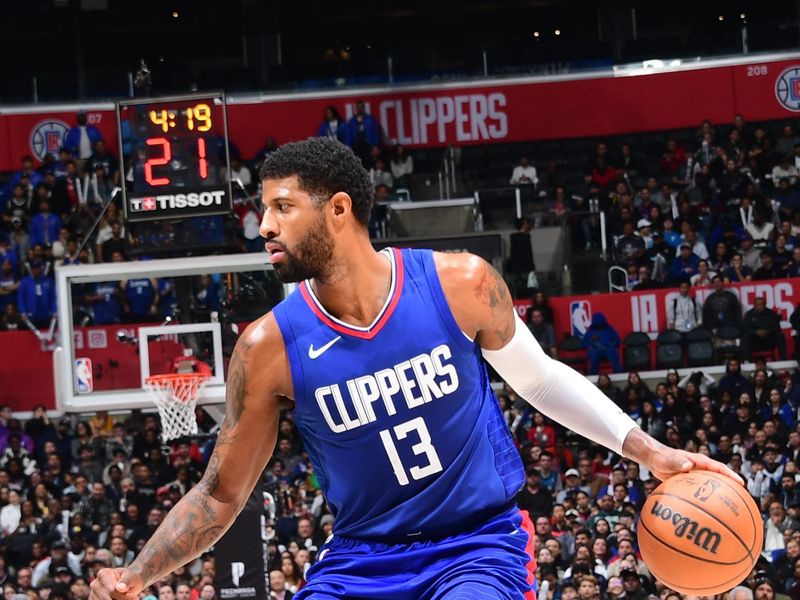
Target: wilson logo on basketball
704, 538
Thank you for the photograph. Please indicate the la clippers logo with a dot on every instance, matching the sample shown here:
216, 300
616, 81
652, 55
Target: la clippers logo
787, 89
580, 315
48, 137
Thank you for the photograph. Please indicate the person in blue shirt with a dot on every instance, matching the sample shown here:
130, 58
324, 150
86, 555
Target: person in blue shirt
601, 341
332, 125
105, 300
684, 266
80, 140
59, 167
36, 297
8, 253
28, 172
141, 295
45, 226
207, 293
362, 132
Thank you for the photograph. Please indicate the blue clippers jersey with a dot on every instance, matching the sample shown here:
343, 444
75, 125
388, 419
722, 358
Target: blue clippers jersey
404, 432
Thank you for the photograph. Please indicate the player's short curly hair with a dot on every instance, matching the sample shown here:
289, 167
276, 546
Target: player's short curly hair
323, 167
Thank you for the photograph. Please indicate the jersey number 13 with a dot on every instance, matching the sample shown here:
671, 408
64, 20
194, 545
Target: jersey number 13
424, 446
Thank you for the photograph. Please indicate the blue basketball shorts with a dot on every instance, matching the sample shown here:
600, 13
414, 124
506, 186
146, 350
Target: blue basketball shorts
492, 562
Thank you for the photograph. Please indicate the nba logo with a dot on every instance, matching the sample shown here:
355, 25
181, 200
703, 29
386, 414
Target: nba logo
84, 381
580, 316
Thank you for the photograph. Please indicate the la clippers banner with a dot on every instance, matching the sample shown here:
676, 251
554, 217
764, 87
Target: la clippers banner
492, 111
239, 554
647, 311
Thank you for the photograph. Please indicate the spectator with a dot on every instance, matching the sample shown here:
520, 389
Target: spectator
762, 330
402, 167
601, 342
603, 175
733, 382
141, 298
737, 271
277, 586
81, 139
332, 125
362, 132
58, 556
543, 332
683, 314
768, 268
105, 302
684, 266
630, 247
721, 306
240, 172
534, 497
703, 276
524, 173
785, 169
759, 229
9, 284
36, 298
751, 256
45, 226
673, 158
116, 243
378, 175
10, 514
645, 281
102, 158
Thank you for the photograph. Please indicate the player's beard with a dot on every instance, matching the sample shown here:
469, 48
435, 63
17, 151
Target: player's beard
308, 258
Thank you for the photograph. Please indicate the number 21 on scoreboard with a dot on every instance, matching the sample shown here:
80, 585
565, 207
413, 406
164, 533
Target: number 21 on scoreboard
166, 157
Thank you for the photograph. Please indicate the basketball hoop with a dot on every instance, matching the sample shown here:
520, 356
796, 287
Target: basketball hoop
175, 395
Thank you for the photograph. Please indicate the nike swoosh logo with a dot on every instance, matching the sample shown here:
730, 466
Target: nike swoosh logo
317, 352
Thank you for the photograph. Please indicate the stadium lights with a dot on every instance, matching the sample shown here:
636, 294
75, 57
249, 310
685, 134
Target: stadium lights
557, 32
742, 16
536, 34
175, 14
721, 17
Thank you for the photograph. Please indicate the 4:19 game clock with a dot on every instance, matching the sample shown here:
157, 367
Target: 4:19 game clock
176, 156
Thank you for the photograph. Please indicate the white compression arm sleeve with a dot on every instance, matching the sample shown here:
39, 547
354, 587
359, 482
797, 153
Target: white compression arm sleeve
558, 391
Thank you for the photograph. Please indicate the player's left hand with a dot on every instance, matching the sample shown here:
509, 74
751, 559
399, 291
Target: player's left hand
669, 461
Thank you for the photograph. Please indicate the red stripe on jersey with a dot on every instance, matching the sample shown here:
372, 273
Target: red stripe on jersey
387, 313
527, 525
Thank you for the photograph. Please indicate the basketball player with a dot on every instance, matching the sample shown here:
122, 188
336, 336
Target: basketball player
380, 355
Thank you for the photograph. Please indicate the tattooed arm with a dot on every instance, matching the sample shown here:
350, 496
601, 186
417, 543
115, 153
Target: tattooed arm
478, 298
258, 385
483, 308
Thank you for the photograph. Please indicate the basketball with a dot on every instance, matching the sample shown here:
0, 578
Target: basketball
700, 533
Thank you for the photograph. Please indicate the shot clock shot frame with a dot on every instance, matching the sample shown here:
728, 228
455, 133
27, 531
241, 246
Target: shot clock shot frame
175, 151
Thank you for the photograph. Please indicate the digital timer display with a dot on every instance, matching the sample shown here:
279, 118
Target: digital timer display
176, 157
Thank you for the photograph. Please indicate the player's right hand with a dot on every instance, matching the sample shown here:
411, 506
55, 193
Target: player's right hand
116, 584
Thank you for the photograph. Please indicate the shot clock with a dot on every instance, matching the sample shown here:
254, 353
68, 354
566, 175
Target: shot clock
176, 155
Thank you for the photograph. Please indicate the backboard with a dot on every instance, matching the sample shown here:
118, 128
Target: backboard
121, 322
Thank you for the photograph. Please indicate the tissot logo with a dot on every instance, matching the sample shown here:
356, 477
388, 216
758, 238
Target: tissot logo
177, 201
704, 537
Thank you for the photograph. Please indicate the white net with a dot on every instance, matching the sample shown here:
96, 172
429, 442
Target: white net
175, 395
